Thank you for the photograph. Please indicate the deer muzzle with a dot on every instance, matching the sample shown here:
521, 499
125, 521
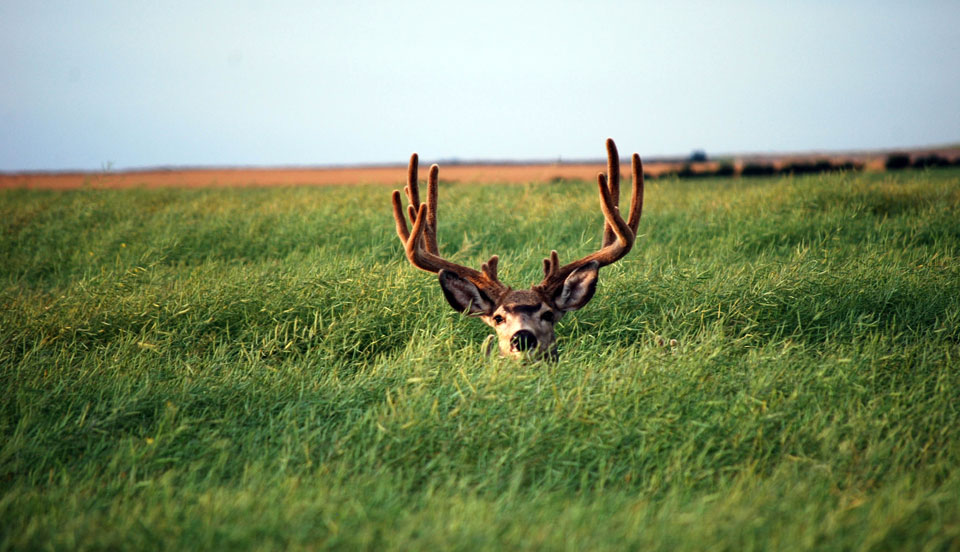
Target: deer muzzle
524, 340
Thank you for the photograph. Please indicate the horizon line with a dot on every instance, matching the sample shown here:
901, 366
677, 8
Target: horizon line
953, 147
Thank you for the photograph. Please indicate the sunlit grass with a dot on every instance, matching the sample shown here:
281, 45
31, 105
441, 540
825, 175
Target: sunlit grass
261, 368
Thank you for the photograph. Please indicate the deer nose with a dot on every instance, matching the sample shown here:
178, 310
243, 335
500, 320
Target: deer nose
523, 340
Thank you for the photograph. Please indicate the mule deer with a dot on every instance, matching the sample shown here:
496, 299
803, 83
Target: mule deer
523, 319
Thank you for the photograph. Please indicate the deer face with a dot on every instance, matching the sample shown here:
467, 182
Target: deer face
523, 319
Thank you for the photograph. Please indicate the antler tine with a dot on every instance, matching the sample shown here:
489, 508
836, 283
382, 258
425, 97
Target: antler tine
431, 230
623, 232
413, 196
413, 188
489, 268
613, 177
636, 198
420, 242
401, 221
551, 264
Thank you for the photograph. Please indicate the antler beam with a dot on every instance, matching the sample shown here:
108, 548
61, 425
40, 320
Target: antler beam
618, 235
420, 243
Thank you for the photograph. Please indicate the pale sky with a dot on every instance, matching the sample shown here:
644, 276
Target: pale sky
128, 84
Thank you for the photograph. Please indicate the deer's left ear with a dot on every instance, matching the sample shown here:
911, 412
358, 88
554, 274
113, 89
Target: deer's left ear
578, 288
463, 296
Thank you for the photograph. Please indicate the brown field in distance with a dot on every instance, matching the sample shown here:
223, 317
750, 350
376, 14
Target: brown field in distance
396, 174
386, 175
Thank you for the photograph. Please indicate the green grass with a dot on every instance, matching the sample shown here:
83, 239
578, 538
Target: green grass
261, 369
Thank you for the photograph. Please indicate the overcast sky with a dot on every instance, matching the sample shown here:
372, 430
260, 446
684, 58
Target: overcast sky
89, 85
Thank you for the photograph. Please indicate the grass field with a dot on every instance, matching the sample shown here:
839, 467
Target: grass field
261, 369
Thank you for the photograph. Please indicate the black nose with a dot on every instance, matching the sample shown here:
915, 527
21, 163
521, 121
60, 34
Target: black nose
523, 340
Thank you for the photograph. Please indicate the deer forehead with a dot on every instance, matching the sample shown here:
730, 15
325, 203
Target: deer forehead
523, 301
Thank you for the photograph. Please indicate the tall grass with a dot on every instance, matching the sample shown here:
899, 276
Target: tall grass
261, 368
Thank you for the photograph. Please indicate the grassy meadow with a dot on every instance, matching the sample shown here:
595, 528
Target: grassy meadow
261, 368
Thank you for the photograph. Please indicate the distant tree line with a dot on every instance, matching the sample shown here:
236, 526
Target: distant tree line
727, 169
694, 167
900, 160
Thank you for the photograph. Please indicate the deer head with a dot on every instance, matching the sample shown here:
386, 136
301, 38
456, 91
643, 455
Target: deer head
524, 320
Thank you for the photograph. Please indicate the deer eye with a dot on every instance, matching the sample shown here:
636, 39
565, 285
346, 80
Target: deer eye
497, 319
547, 317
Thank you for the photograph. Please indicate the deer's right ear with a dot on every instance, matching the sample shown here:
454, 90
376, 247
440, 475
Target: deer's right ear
463, 296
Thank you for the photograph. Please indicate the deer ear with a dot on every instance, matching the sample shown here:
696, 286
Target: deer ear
578, 288
463, 296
